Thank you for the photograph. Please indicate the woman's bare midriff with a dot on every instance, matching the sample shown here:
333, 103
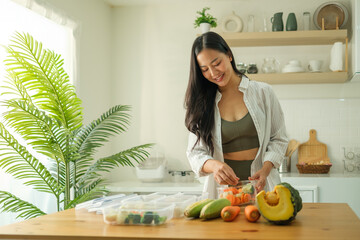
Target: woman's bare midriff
249, 154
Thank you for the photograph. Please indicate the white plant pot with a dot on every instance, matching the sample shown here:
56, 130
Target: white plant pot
205, 27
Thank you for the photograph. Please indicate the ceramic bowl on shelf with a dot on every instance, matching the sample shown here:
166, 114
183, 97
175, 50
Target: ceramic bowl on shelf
292, 69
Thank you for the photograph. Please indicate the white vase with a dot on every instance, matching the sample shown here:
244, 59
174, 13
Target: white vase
205, 27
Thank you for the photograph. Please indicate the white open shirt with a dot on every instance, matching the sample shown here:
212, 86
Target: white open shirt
265, 110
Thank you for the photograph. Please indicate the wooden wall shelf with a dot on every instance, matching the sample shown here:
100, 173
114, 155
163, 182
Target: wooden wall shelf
300, 78
285, 38
293, 38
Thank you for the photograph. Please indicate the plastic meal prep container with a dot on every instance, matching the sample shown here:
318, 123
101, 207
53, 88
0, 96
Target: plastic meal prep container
241, 194
181, 202
145, 198
139, 213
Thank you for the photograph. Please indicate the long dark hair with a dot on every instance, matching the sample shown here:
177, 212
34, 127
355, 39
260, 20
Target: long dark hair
200, 94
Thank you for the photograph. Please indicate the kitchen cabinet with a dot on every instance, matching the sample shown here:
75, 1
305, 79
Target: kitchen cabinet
293, 38
327, 188
309, 194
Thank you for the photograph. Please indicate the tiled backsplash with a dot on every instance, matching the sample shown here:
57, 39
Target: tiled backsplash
337, 122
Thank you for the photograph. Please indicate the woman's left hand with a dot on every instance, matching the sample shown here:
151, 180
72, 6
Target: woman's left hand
261, 176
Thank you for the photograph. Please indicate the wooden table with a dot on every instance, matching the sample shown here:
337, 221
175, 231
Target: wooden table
315, 221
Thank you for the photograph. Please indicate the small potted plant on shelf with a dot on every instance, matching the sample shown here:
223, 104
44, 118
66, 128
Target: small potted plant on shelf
205, 21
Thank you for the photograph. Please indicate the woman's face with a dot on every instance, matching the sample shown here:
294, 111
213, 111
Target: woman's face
215, 66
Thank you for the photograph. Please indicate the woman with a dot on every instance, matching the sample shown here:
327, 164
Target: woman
236, 126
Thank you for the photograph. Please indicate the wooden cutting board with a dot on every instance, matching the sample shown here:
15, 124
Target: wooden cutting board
313, 151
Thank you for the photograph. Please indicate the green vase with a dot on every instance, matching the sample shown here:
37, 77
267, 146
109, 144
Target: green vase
291, 24
277, 22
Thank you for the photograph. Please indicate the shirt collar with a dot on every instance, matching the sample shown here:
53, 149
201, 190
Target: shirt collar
244, 84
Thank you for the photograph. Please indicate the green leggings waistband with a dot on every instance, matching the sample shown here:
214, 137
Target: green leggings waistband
242, 168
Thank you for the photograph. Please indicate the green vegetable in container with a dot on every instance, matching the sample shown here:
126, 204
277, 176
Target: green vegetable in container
147, 218
136, 219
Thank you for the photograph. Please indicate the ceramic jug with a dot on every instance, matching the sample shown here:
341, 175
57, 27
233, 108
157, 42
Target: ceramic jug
277, 22
291, 24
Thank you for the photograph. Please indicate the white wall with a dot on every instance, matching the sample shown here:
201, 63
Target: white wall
94, 83
151, 63
94, 56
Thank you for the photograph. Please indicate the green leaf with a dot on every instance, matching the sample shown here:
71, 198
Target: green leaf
41, 72
91, 191
21, 164
94, 135
11, 203
40, 131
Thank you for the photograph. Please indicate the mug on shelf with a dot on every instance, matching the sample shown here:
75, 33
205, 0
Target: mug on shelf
315, 65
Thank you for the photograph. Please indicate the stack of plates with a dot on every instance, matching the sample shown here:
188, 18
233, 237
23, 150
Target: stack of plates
329, 11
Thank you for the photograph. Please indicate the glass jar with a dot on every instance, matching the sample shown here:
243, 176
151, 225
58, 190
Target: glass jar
241, 67
270, 65
306, 21
251, 23
252, 68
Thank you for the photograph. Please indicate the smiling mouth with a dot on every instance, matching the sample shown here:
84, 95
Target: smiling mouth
218, 79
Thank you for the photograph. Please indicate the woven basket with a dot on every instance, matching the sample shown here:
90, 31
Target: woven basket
313, 168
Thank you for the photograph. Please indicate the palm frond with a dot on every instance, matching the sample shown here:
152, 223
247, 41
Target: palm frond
15, 87
41, 72
40, 131
123, 158
15, 159
11, 203
91, 191
94, 135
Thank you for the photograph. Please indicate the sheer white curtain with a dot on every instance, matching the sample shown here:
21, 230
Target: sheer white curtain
57, 32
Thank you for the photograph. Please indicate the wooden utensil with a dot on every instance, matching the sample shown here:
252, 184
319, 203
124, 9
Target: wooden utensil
313, 151
290, 146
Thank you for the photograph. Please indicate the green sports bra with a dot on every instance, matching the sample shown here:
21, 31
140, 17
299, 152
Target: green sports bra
239, 135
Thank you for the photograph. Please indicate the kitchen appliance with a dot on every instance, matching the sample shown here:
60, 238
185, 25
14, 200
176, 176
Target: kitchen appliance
151, 170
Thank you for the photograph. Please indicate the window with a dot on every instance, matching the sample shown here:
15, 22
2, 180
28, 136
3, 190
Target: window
56, 32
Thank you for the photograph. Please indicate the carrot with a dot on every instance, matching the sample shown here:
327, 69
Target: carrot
229, 213
231, 198
231, 189
237, 201
252, 214
246, 198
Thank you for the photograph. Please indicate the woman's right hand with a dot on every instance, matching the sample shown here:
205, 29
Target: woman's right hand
223, 174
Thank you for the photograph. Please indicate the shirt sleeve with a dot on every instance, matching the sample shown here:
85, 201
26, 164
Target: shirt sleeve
276, 148
197, 155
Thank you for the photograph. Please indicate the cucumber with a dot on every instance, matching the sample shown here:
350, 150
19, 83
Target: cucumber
213, 209
193, 210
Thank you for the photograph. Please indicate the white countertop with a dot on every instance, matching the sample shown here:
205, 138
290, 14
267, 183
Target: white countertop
309, 175
166, 186
137, 186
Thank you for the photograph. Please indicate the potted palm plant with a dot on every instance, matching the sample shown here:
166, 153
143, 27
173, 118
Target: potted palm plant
43, 141
205, 21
